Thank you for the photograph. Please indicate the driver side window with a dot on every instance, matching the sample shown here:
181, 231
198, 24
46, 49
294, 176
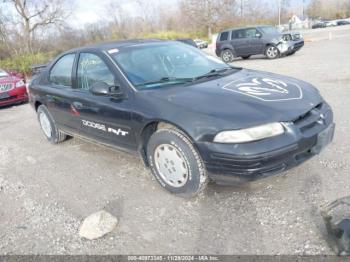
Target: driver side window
92, 69
251, 33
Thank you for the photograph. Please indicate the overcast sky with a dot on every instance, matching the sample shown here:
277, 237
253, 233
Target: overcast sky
89, 11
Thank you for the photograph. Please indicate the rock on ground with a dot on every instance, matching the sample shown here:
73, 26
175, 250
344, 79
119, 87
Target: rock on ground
97, 225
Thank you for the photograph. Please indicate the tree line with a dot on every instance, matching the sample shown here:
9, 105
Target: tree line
33, 31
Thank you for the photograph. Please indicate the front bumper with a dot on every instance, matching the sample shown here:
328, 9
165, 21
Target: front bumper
239, 163
290, 47
13, 96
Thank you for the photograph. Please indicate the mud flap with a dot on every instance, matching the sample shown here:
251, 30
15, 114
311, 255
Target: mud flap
336, 216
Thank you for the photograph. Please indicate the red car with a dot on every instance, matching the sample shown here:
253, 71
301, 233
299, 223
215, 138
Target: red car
12, 88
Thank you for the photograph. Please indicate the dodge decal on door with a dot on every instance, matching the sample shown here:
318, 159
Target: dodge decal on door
118, 132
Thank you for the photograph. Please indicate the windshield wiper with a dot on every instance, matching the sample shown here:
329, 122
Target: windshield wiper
214, 72
167, 79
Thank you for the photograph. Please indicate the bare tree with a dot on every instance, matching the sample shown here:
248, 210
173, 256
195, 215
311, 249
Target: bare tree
314, 9
118, 21
329, 9
37, 15
207, 13
257, 11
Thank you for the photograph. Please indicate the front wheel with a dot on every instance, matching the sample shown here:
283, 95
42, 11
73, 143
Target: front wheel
175, 163
227, 56
48, 126
272, 52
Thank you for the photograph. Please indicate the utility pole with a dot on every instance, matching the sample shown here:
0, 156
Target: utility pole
241, 10
303, 10
279, 13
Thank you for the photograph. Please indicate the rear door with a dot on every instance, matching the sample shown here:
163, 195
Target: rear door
102, 118
57, 90
223, 42
240, 42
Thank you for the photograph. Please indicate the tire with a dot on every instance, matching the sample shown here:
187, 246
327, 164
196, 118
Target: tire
227, 56
272, 52
175, 163
48, 126
245, 57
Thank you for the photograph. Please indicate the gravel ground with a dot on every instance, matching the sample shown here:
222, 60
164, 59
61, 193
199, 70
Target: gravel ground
46, 191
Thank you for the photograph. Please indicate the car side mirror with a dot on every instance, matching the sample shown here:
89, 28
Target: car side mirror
103, 89
258, 35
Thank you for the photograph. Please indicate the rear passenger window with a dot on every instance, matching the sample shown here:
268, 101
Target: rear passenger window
224, 36
238, 34
61, 73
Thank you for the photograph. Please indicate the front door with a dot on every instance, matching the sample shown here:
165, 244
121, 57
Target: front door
255, 41
240, 42
102, 118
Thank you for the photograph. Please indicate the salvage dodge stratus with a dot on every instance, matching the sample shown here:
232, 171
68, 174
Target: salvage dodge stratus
190, 116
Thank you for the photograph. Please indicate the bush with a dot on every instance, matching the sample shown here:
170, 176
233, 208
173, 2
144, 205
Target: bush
22, 63
172, 35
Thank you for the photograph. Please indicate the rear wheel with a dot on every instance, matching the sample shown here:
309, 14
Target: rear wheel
175, 163
227, 56
272, 52
48, 126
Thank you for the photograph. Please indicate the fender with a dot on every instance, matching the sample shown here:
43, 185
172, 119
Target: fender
228, 46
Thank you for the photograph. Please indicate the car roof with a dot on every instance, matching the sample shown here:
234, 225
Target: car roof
118, 44
245, 27
178, 39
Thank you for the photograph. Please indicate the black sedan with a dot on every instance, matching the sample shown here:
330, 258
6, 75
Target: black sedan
188, 115
343, 22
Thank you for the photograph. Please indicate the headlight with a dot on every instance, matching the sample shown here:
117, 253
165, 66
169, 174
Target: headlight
20, 83
250, 134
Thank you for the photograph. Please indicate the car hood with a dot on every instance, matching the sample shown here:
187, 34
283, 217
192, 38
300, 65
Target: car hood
9, 79
247, 98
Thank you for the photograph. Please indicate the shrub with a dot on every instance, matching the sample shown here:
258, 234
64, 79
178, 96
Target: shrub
172, 35
22, 63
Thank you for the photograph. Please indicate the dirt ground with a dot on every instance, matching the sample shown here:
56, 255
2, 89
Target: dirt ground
46, 191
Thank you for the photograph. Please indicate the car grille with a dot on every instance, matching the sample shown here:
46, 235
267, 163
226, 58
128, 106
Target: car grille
298, 45
314, 120
7, 98
5, 87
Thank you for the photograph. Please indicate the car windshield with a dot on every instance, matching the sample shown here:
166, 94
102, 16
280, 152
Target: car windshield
160, 64
270, 30
3, 73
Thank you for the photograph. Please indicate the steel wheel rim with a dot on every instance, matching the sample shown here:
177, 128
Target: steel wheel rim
272, 51
171, 165
45, 124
